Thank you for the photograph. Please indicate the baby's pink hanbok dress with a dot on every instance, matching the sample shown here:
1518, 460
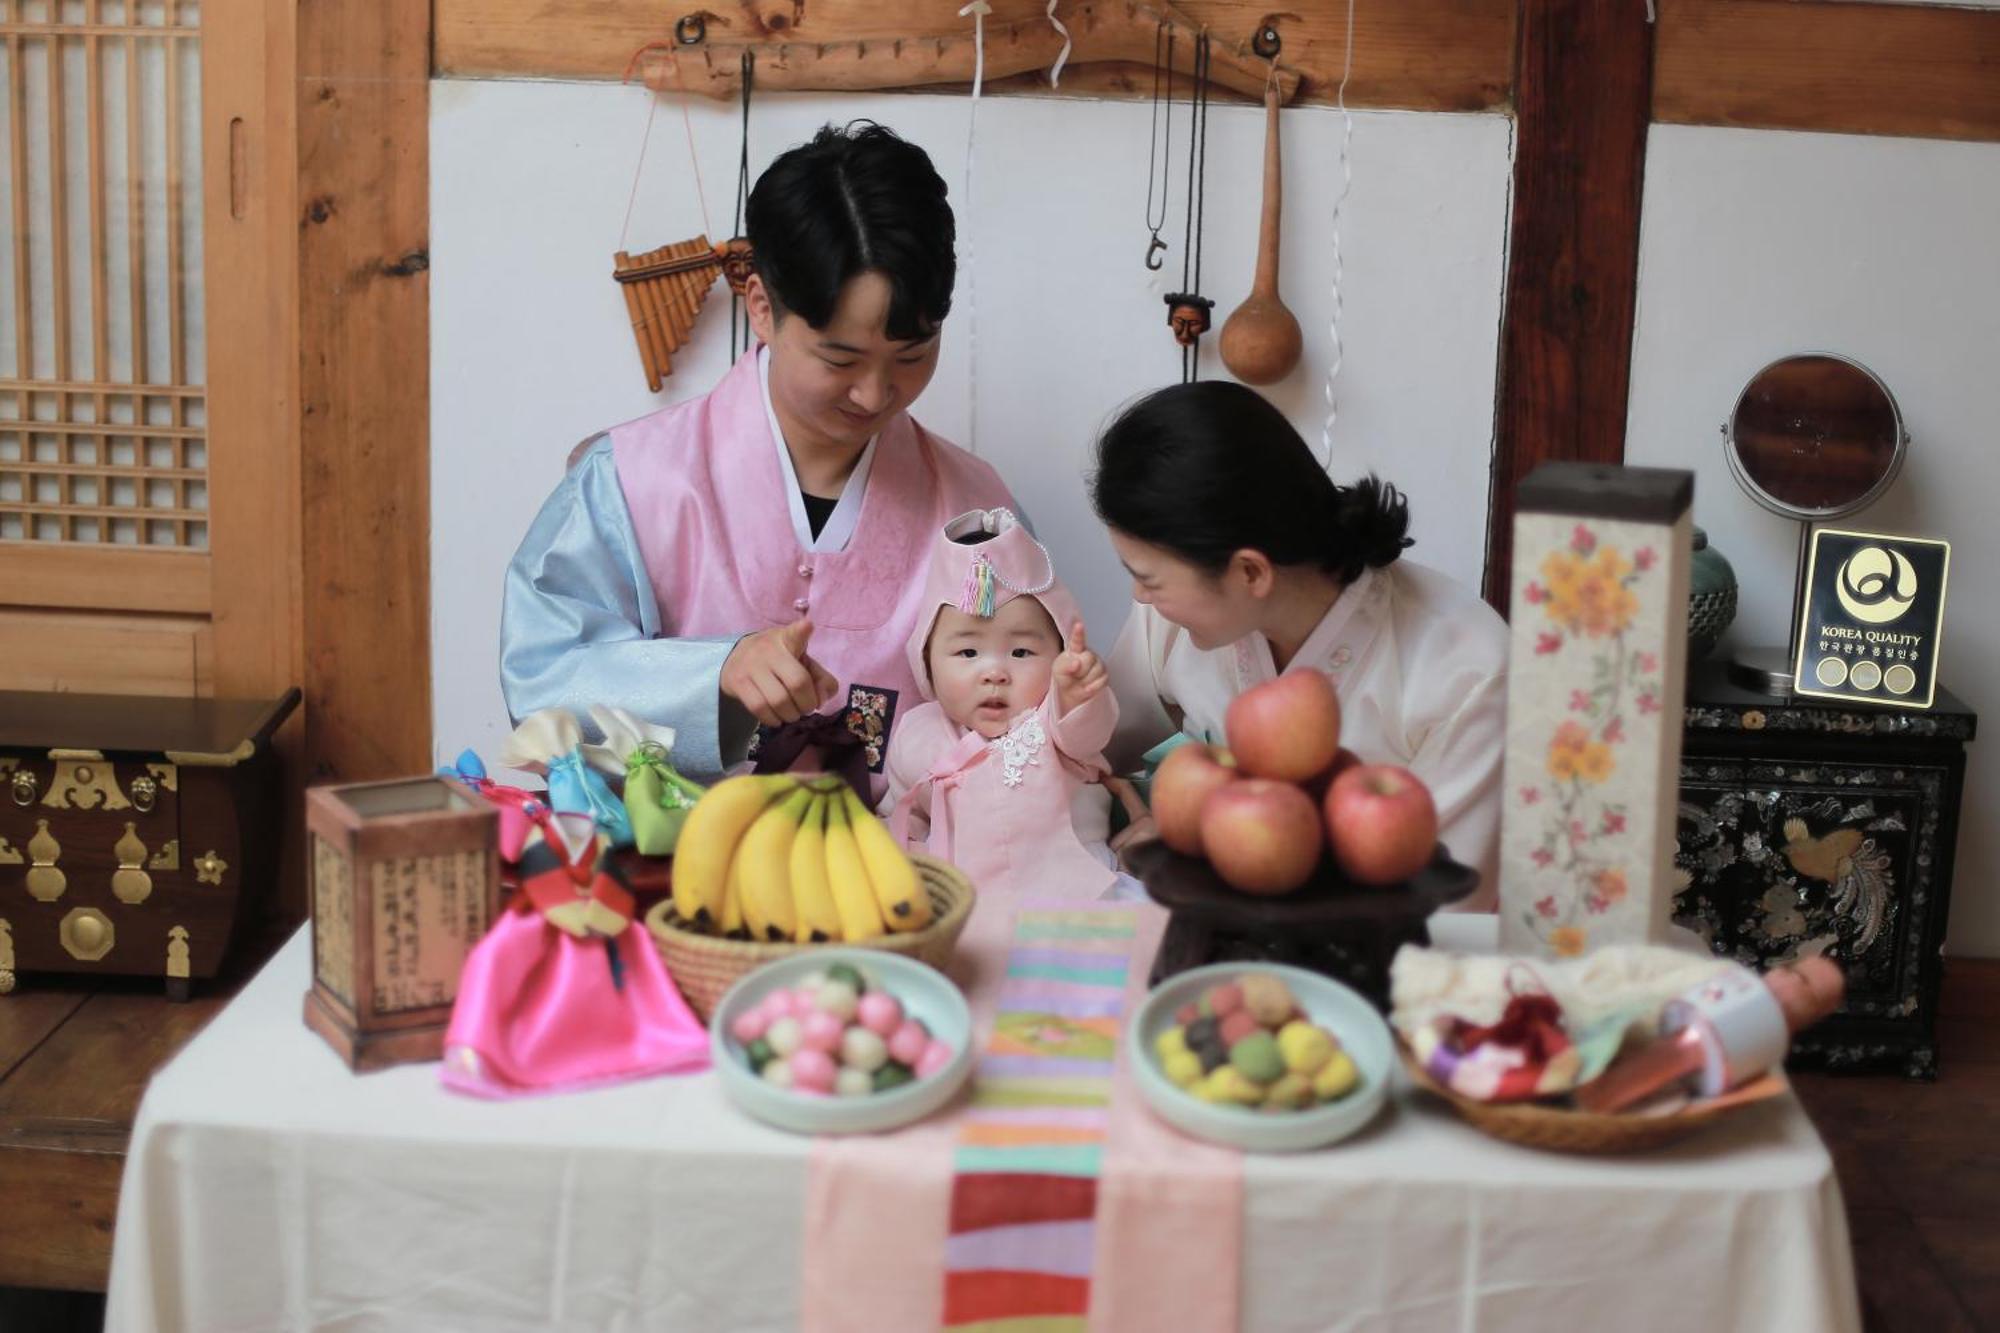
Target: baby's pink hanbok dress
1003, 810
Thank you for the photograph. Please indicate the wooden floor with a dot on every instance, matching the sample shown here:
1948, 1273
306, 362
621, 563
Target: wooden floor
1919, 1162
1920, 1169
75, 1057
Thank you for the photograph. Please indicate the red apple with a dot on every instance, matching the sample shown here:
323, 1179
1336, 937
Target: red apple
1343, 759
1185, 778
1382, 823
1288, 728
1262, 836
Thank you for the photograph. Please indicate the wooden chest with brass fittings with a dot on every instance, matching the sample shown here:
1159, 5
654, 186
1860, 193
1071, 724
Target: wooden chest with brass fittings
136, 833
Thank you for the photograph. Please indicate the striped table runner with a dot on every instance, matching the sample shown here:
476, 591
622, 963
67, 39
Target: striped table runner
897, 1226
1023, 1230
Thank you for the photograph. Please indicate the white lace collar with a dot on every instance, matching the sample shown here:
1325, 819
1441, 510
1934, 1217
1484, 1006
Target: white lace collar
1020, 748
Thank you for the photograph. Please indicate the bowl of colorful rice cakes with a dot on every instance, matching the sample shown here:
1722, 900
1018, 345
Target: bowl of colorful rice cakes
1260, 1056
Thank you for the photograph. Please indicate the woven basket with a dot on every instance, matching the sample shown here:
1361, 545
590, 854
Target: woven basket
705, 966
1558, 1129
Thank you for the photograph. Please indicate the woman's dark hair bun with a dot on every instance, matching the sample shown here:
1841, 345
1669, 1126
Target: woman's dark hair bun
1370, 528
1212, 468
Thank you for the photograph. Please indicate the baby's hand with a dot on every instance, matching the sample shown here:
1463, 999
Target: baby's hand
1080, 673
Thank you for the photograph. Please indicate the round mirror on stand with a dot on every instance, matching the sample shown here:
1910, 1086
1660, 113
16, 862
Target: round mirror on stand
1813, 438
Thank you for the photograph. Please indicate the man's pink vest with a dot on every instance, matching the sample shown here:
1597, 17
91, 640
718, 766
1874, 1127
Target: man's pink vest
707, 499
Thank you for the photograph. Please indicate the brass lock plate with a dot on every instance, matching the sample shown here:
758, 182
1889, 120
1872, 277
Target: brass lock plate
83, 780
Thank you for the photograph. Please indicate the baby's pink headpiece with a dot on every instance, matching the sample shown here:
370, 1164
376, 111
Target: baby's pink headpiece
981, 577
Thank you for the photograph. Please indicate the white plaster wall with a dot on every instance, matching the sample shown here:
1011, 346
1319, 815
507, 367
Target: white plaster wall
531, 350
1756, 244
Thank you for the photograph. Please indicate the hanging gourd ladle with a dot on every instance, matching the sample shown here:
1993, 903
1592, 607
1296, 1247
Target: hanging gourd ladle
1261, 340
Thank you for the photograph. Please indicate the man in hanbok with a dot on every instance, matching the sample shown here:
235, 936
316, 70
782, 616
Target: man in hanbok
756, 556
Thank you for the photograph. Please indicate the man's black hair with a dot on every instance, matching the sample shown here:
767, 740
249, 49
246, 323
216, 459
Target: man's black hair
852, 201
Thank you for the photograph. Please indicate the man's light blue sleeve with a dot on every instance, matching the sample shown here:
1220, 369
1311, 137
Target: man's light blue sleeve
579, 625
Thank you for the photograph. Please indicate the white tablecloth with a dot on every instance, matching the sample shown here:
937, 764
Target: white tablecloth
268, 1189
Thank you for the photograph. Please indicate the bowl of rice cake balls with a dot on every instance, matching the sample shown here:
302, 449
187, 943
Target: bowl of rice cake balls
842, 1041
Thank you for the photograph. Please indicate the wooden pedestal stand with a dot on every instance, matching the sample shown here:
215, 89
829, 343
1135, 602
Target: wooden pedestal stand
1346, 931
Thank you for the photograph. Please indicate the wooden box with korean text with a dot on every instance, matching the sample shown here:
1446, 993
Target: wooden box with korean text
405, 880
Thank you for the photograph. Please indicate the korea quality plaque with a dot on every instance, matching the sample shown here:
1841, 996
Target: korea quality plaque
1873, 618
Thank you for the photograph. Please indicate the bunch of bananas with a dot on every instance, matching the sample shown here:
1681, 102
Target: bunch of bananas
780, 857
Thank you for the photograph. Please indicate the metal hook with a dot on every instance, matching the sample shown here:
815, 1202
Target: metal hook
1268, 42
690, 29
1154, 253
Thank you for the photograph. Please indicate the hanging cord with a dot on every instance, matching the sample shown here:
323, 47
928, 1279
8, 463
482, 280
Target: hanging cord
1159, 157
687, 122
625, 232
739, 341
1197, 192
1346, 181
1062, 57
1201, 186
978, 9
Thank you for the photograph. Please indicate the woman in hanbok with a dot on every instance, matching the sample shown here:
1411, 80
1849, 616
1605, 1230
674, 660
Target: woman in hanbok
1247, 560
753, 556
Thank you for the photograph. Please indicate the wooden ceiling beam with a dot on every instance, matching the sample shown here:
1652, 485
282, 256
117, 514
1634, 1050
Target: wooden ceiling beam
1917, 70
1431, 55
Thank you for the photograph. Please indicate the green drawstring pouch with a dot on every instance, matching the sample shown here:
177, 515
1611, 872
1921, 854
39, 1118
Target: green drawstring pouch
657, 799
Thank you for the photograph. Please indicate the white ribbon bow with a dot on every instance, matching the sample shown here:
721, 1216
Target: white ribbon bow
624, 732
542, 736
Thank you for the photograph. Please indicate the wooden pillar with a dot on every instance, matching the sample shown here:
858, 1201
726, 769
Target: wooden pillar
1583, 98
363, 218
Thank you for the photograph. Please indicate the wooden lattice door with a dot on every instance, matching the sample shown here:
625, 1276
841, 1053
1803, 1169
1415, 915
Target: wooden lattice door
113, 186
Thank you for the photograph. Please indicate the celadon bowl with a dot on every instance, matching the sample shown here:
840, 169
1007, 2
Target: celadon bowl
1337, 1008
925, 993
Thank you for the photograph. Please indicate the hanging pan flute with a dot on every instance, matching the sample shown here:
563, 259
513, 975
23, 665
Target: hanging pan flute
665, 290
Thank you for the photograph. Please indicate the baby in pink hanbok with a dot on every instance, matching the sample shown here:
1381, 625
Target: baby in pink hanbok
1001, 771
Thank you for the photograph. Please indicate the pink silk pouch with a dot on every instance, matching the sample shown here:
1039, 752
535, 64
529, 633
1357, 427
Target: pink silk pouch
565, 991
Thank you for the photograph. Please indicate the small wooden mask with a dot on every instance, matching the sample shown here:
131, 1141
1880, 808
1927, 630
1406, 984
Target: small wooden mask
1188, 316
738, 263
